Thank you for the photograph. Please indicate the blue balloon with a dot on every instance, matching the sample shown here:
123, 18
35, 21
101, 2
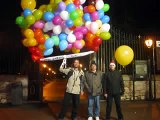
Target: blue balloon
48, 16
105, 19
63, 45
70, 7
62, 36
100, 13
49, 43
69, 23
48, 52
87, 17
27, 12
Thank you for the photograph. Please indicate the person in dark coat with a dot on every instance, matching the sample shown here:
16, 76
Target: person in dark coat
113, 89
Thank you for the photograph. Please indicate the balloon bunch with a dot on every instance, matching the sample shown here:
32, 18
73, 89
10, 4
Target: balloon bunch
63, 24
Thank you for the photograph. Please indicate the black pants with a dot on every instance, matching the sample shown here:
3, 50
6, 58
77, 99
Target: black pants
75, 104
117, 100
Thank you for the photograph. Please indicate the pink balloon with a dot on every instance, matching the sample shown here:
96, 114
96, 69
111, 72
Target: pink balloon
39, 24
94, 16
57, 20
69, 46
79, 35
78, 44
84, 30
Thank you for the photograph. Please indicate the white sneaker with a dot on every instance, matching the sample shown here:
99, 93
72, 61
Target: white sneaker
90, 118
97, 118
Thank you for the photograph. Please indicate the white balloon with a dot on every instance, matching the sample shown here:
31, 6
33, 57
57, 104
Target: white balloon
45, 30
99, 4
57, 29
71, 38
48, 26
105, 27
87, 24
82, 1
64, 15
94, 27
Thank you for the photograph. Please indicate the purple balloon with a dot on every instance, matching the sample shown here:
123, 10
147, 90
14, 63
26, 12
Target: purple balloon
79, 35
61, 6
94, 16
56, 12
57, 20
69, 46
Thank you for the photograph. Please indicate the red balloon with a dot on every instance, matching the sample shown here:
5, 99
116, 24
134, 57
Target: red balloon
35, 58
77, 2
96, 48
97, 41
32, 49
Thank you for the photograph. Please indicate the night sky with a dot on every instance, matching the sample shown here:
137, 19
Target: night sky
130, 15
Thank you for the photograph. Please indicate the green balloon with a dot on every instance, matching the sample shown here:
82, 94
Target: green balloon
56, 40
78, 22
74, 15
49, 8
24, 24
30, 19
106, 7
19, 20
38, 14
105, 35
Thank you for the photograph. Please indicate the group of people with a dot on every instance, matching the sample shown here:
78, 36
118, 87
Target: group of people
96, 83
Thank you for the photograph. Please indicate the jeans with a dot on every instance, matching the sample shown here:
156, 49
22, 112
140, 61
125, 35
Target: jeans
93, 101
117, 100
75, 105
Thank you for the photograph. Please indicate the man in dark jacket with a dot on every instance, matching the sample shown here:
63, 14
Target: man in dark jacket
93, 84
113, 89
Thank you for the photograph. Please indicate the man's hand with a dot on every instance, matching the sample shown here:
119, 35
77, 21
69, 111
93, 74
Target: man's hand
105, 95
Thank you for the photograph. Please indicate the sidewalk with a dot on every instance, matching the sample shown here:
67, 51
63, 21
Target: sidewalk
132, 110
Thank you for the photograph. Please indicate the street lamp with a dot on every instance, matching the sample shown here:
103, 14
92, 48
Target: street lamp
149, 43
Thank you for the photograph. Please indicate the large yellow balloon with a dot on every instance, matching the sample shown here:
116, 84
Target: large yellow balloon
30, 4
124, 55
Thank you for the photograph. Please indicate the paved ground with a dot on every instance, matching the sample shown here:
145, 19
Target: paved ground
137, 110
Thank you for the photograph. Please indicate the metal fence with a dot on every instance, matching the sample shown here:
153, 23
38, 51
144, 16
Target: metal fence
119, 37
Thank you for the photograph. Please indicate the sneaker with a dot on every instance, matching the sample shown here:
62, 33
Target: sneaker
97, 118
90, 118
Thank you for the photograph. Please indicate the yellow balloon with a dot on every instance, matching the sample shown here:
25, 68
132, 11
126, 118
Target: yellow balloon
51, 1
43, 8
25, 42
83, 43
41, 47
99, 22
124, 55
32, 42
30, 4
98, 32
74, 50
28, 33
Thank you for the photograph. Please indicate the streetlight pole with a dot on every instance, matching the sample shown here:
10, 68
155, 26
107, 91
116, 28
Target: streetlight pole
149, 44
154, 70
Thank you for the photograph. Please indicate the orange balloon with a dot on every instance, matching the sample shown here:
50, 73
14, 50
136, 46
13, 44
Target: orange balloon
90, 37
91, 8
40, 39
37, 33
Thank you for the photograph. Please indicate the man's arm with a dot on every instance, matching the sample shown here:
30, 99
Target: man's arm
85, 83
64, 70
